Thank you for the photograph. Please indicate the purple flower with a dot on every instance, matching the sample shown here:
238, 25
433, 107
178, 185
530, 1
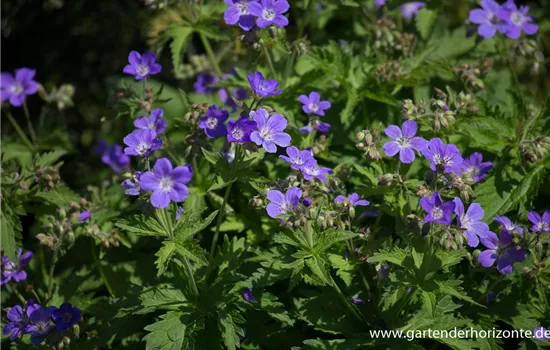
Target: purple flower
13, 271
471, 221
66, 316
283, 203
85, 215
353, 200
239, 130
438, 211
410, 9
238, 13
132, 186
155, 122
19, 320
168, 184
142, 66
179, 211
112, 155
213, 123
380, 3
304, 130
15, 89
487, 18
297, 158
239, 93
141, 142
41, 324
475, 168
500, 251
248, 296
204, 80
541, 333
306, 202
321, 127
384, 271
357, 300
507, 224
446, 156
517, 20
313, 104
263, 87
404, 142
269, 12
540, 224
270, 130
311, 171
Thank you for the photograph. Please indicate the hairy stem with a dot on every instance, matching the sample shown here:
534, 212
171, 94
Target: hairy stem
269, 61
50, 274
101, 272
189, 270
20, 132
211, 56
29, 124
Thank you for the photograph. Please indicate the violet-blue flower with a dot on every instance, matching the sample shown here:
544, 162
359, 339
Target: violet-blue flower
507, 224
179, 211
304, 130
321, 126
41, 324
263, 87
269, 12
313, 104
380, 3
487, 18
404, 142
297, 158
442, 155
238, 13
541, 333
248, 296
66, 316
270, 130
166, 183
438, 211
142, 66
204, 82
213, 123
155, 121
353, 200
141, 142
475, 167
12, 271
283, 203
16, 89
500, 251
112, 155
19, 320
239, 130
410, 9
312, 171
307, 202
84, 216
470, 221
540, 224
132, 185
517, 20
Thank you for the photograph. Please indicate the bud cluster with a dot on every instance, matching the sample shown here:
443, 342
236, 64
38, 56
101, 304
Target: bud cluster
46, 177
62, 97
108, 239
390, 40
535, 150
472, 74
388, 72
367, 141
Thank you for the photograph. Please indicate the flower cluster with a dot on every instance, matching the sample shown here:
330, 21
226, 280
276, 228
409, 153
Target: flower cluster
507, 19
16, 88
41, 322
263, 13
15, 271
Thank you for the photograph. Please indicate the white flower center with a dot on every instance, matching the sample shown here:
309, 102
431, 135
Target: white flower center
268, 14
404, 142
9, 266
142, 69
166, 184
266, 134
447, 160
437, 213
313, 107
242, 7
517, 18
466, 222
151, 125
16, 88
543, 226
237, 133
437, 159
142, 148
211, 123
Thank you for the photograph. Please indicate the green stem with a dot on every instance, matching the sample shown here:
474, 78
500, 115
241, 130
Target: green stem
269, 61
101, 272
218, 224
50, 274
345, 300
19, 295
210, 54
543, 295
189, 270
29, 124
29, 287
20, 132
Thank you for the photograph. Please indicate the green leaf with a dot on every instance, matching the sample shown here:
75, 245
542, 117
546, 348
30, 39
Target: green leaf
47, 159
346, 116
344, 268
183, 232
418, 257
60, 196
164, 255
210, 156
317, 266
161, 297
10, 230
180, 35
453, 289
395, 256
424, 22
167, 334
191, 251
230, 331
142, 225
